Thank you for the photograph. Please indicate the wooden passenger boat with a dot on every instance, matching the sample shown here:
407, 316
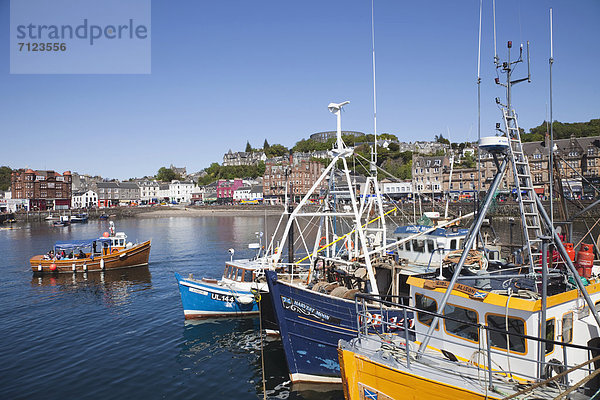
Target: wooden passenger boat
105, 253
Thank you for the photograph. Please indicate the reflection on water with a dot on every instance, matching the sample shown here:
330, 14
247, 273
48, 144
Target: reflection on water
113, 287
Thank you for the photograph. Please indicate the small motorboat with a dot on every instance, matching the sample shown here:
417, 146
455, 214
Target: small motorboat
79, 218
63, 221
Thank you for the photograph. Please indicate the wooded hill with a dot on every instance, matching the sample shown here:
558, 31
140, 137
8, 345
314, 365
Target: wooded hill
563, 130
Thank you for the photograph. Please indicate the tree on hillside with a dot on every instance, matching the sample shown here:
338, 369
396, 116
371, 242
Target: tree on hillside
441, 139
166, 175
248, 147
276, 150
5, 173
266, 145
563, 130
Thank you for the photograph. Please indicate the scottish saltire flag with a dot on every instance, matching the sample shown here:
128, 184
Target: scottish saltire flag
371, 395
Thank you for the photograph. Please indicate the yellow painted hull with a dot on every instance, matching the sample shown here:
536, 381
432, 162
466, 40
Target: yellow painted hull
361, 376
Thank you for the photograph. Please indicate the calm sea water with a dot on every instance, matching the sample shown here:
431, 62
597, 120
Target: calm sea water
122, 334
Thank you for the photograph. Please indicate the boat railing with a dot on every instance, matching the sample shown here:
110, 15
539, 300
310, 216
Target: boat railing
396, 336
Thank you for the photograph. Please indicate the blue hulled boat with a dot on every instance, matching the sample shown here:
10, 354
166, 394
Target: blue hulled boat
231, 296
311, 324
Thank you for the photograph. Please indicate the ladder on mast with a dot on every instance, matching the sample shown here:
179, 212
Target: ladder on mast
530, 217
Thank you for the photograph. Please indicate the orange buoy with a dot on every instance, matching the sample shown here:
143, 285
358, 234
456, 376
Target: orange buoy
106, 234
52, 267
585, 260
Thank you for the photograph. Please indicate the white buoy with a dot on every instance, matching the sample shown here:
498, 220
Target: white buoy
84, 267
40, 267
102, 263
73, 267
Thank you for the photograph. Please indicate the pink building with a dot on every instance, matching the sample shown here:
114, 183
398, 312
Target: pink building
226, 188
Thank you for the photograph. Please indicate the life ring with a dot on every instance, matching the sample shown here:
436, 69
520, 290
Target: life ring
320, 240
114, 251
350, 246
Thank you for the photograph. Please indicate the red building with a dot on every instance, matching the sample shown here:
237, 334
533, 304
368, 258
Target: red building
45, 190
225, 188
298, 171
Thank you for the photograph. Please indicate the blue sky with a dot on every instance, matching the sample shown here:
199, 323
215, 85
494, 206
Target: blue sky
229, 71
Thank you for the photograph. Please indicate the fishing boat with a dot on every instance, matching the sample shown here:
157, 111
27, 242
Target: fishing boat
111, 251
237, 293
351, 255
103, 216
79, 218
526, 330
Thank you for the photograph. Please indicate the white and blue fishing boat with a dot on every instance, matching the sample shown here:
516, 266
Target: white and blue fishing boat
234, 295
351, 255
79, 218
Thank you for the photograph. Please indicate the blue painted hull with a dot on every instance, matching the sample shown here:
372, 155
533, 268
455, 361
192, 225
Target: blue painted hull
207, 300
311, 325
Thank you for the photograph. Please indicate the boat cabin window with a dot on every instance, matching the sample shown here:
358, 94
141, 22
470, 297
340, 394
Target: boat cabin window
461, 329
567, 327
550, 335
498, 339
401, 247
430, 245
453, 244
418, 245
247, 275
461, 243
426, 304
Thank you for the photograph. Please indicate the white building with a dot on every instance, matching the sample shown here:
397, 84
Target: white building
163, 191
14, 205
241, 193
149, 191
87, 199
256, 193
396, 189
181, 191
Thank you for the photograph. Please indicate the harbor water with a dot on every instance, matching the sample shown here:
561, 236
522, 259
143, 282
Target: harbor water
122, 334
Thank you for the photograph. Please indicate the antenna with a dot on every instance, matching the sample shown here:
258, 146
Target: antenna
478, 110
496, 59
551, 150
374, 157
507, 68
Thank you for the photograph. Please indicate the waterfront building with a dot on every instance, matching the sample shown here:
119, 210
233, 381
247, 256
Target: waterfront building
226, 188
428, 173
149, 191
45, 190
181, 191
256, 193
396, 189
298, 170
111, 194
576, 157
242, 193
87, 199
163, 191
243, 158
13, 205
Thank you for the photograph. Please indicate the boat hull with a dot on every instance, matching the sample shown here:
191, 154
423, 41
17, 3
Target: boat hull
135, 256
202, 300
311, 325
364, 378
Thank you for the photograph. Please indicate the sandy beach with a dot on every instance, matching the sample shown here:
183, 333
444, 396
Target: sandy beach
234, 211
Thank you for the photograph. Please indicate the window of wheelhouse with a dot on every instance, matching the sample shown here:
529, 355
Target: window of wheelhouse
550, 324
466, 329
499, 339
247, 275
426, 304
453, 244
567, 327
430, 245
418, 245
